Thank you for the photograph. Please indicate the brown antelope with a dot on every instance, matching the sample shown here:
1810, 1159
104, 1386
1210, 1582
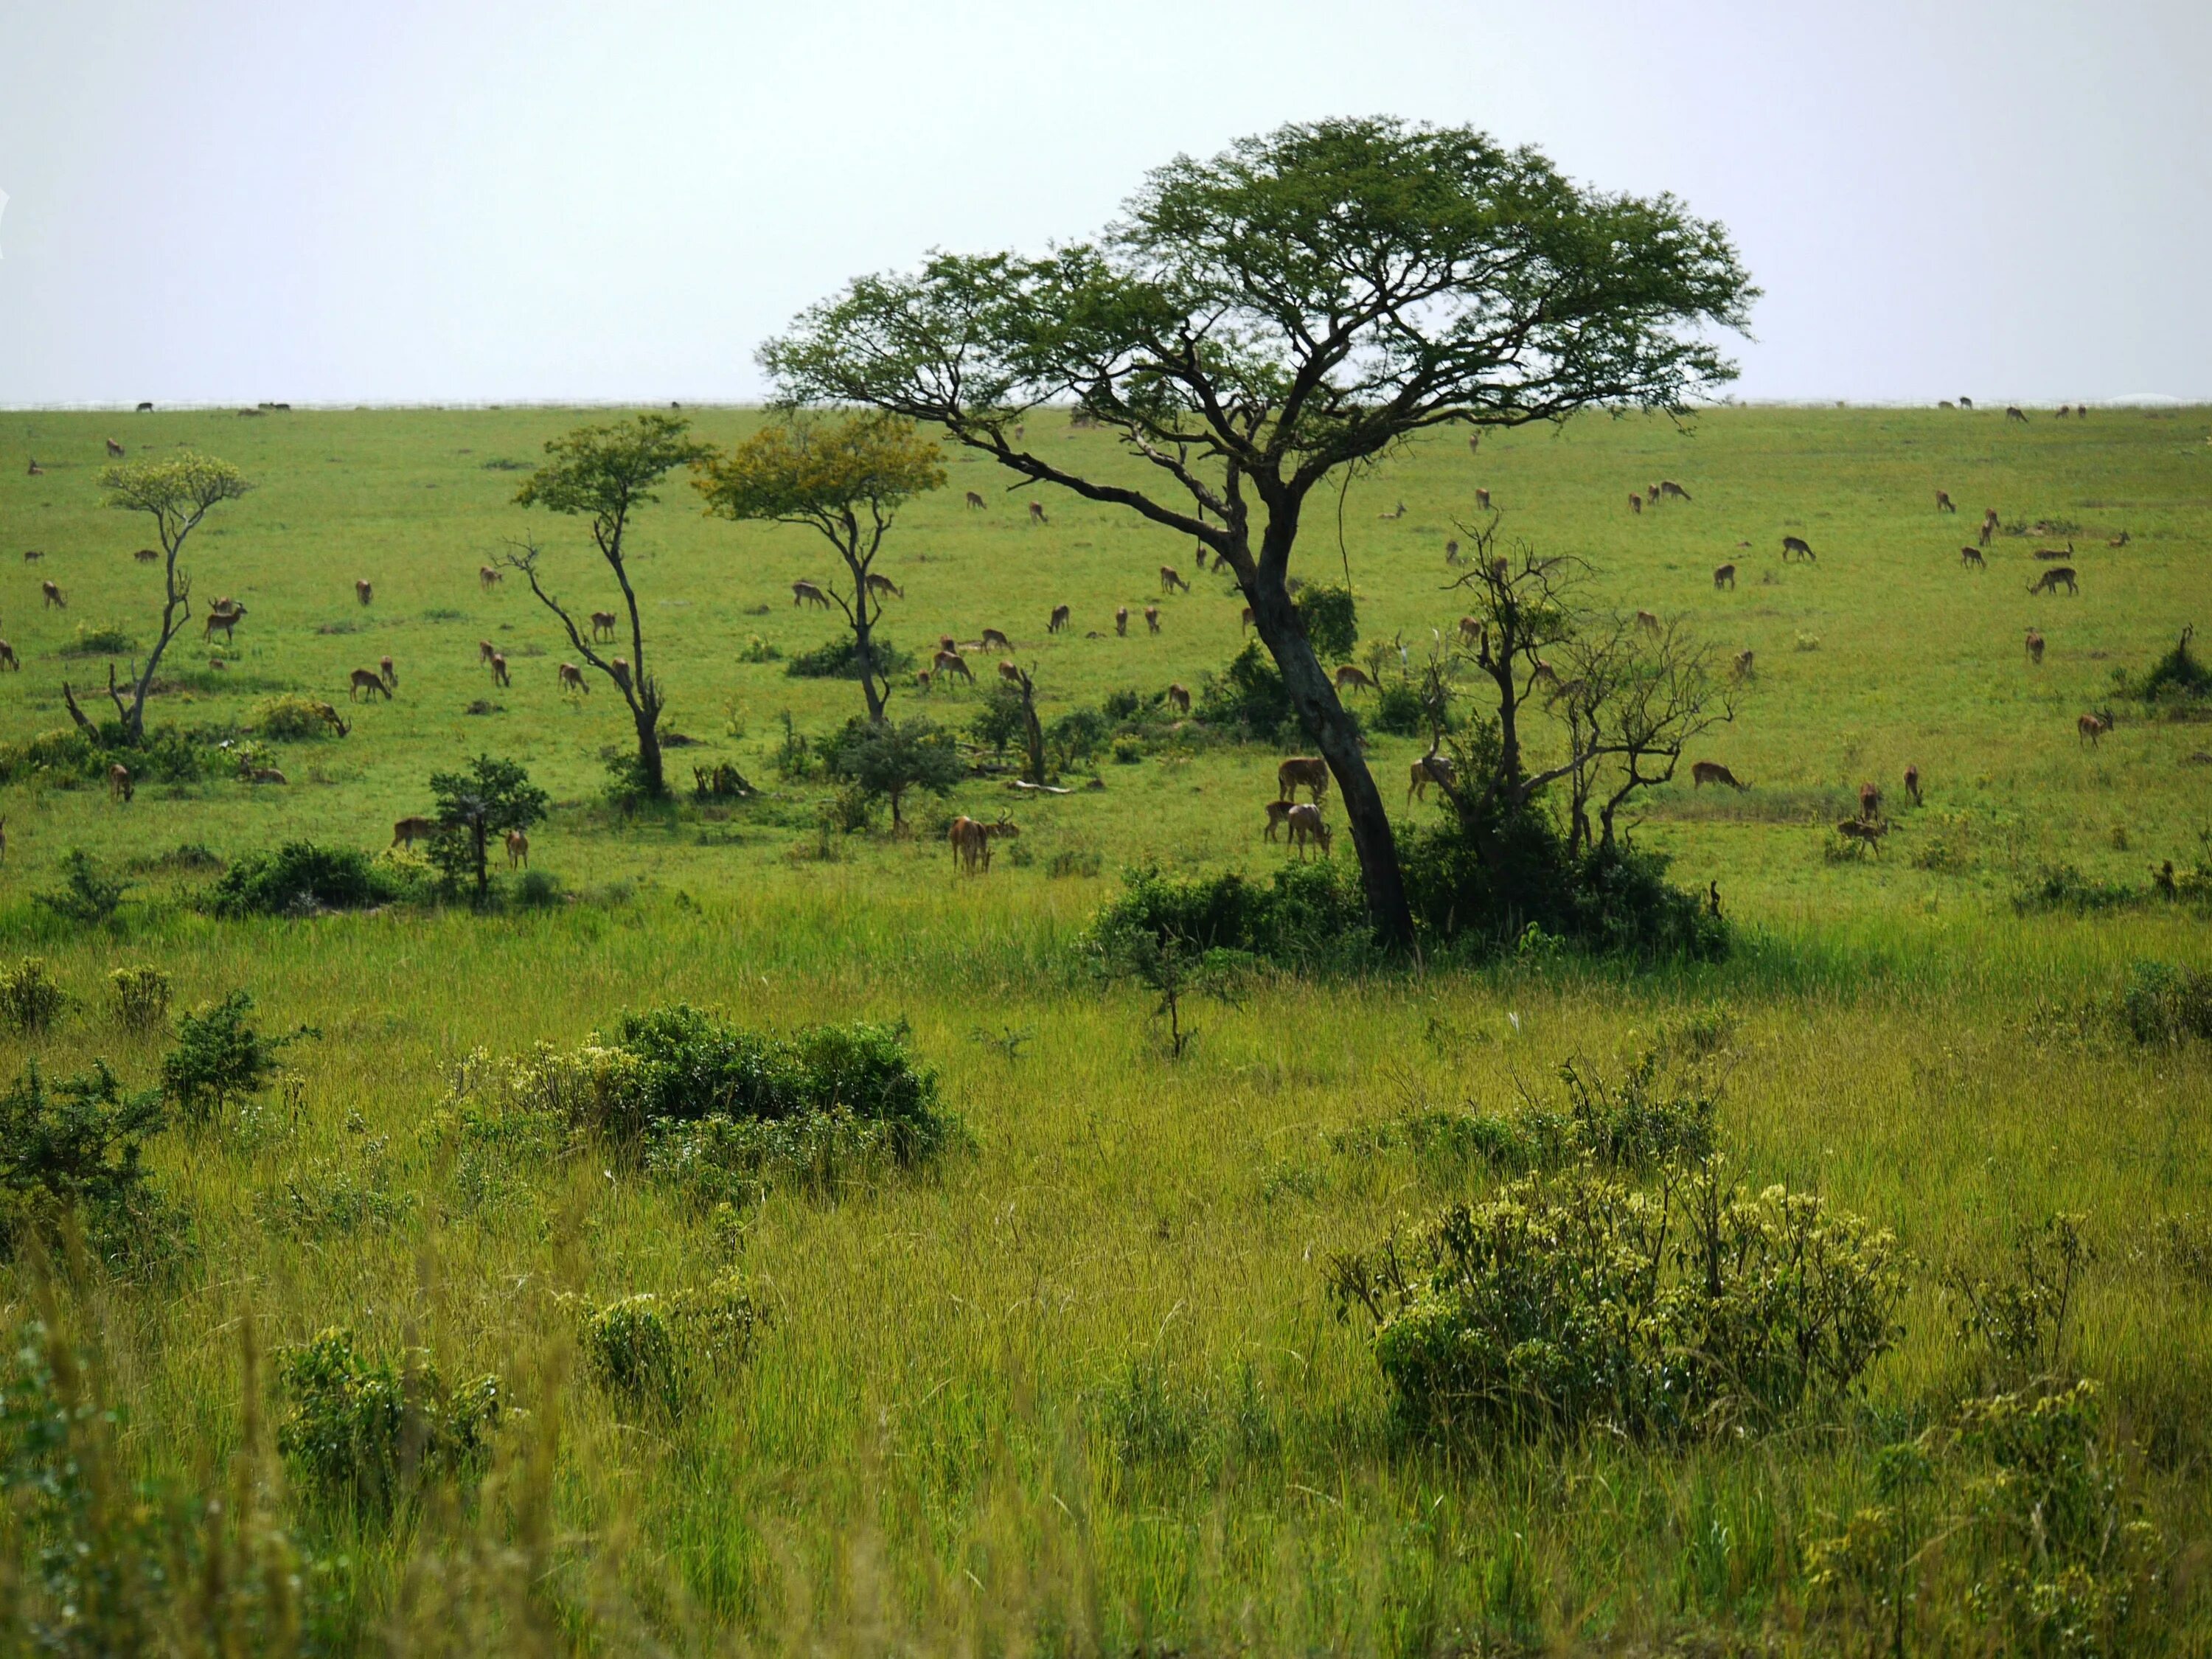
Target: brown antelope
1652, 493
1308, 772
1743, 660
602, 625
2048, 554
951, 662
488, 577
37, 472
1350, 677
1943, 502
2090, 728
1635, 502
225, 620
1972, 556
1036, 514
806, 592
1474, 443
1704, 772
1482, 499
1245, 621
1172, 579
1869, 803
389, 674
1398, 512
1724, 576
331, 718
2120, 540
1151, 619
2034, 646
2015, 413
499, 669
1989, 529
572, 679
369, 681
1307, 825
880, 586
1471, 632
994, 641
1059, 614
407, 831
1121, 622
1451, 552
119, 785
217, 663
974, 502
518, 849
1179, 699
921, 681
2064, 410
1669, 487
1430, 768
1647, 621
54, 596
946, 642
618, 672
1798, 545
32, 555
362, 592
147, 555
1278, 811
114, 450
1865, 834
1912, 782
8, 657
1009, 671
2058, 576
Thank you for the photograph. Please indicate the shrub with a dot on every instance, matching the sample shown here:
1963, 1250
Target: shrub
87, 894
654, 1353
2164, 1003
81, 1144
756, 649
1247, 697
838, 659
288, 718
2176, 676
887, 761
1568, 1300
1330, 619
99, 641
1400, 711
2018, 1319
360, 1432
30, 1000
300, 878
537, 890
823, 1155
1076, 736
2063, 887
69, 754
220, 1058
999, 723
1632, 1123
1307, 914
138, 998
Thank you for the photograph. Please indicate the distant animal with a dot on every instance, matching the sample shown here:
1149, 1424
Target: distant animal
1798, 545
1307, 825
37, 472
32, 555
145, 409
1648, 621
485, 652
499, 669
1865, 834
618, 672
970, 840
603, 624
1151, 619
2015, 413
2090, 728
1451, 552
1397, 512
1743, 660
1704, 772
1430, 768
147, 555
974, 501
1989, 529
1010, 671
2047, 554
1724, 576
572, 679
265, 775
880, 586
217, 663
1943, 502
1245, 621
119, 785
1652, 493
114, 450
2120, 540
1302, 772
518, 849
1179, 698
921, 681
489, 578
1669, 487
1482, 499
331, 718
1474, 443
1635, 502
387, 673
1966, 402
946, 642
362, 592
2034, 646
1059, 614
369, 681
54, 596
1471, 632
1351, 678
1036, 514
1913, 783
806, 592
951, 662
8, 657
1277, 811
1121, 620
2058, 576
225, 620
1972, 556
994, 640
1869, 803
1713, 897
1172, 579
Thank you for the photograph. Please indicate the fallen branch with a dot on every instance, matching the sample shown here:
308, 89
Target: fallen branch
1038, 788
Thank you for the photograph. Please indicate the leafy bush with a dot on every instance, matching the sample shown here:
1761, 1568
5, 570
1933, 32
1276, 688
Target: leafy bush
1400, 711
2165, 1003
998, 724
1330, 619
887, 761
2176, 676
1633, 1123
87, 894
538, 890
99, 641
138, 998
302, 877
2018, 1319
1075, 737
1574, 1299
30, 1000
654, 1353
839, 658
1310, 914
2063, 887
69, 754
1247, 697
83, 1144
220, 1058
360, 1432
1073, 861
756, 649
288, 718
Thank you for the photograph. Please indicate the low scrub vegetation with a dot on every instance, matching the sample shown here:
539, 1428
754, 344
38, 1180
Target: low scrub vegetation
655, 1353
302, 877
77, 1148
364, 1434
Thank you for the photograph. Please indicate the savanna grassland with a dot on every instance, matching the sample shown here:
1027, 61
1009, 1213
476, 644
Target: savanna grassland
1080, 1385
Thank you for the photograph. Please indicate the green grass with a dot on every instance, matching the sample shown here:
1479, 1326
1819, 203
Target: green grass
1080, 1387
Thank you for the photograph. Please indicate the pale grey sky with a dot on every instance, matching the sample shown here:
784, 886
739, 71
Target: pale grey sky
414, 202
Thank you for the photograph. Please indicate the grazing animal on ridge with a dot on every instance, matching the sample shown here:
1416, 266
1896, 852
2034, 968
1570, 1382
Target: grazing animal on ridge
499, 676
1036, 514
1060, 614
1172, 579
1863, 832
1798, 545
1307, 825
806, 592
602, 625
1151, 619
1669, 487
951, 662
114, 450
1913, 783
1943, 502
1972, 556
147, 555
1704, 772
2058, 576
2034, 646
1010, 671
2015, 413
367, 680
518, 849
974, 502
571, 678
54, 595
1308, 772
1179, 698
1350, 677
1724, 576
880, 585
994, 641
488, 577
2090, 728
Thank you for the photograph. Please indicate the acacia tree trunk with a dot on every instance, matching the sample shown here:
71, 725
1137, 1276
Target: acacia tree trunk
864, 644
647, 718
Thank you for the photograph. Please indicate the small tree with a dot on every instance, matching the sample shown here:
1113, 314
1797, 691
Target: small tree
221, 1057
886, 761
177, 494
489, 798
831, 472
605, 473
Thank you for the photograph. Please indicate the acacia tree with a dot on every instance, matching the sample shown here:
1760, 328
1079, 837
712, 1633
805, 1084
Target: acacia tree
832, 474
176, 494
605, 473
489, 798
1297, 305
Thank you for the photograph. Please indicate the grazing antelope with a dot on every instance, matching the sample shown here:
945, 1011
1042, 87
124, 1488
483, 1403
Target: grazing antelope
618, 672
1451, 552
119, 787
1652, 493
951, 662
1943, 502
1869, 803
994, 640
880, 586
518, 849
54, 596
921, 681
1036, 514
1430, 768
1482, 499
1278, 811
390, 675
265, 775
362, 592
1989, 529
8, 657
331, 718
2034, 646
2090, 728
1121, 622
488, 577
2047, 554
1669, 487
974, 502
1350, 677
1972, 556
147, 555
1009, 671
572, 679
1798, 545
369, 681
1724, 576
485, 652
114, 450
1647, 621
1471, 632
37, 472
32, 555
602, 625
1704, 772
1059, 614
1912, 782
946, 642
1172, 579
2120, 540
1245, 621
2058, 576
1307, 825
1309, 772
806, 592
1635, 502
499, 669
1179, 699
1865, 834
1398, 512
226, 619
2015, 413
1966, 402
2064, 410
1151, 619
1743, 660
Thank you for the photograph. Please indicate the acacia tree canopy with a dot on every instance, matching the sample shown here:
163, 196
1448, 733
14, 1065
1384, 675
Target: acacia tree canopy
1297, 304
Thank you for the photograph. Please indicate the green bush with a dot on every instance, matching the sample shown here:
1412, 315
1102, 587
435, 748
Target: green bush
2165, 1003
138, 998
110, 641
300, 878
1400, 711
30, 1000
1330, 619
1569, 1300
288, 718
1075, 738
361, 1434
537, 890
1246, 698
87, 893
2063, 887
1310, 914
839, 658
997, 725
81, 1145
220, 1058
655, 1353
1636, 1122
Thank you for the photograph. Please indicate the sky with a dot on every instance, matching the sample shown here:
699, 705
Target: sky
480, 201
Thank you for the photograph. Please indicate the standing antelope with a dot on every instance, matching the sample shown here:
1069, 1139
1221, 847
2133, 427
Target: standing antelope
1869, 803
37, 472
369, 681
499, 669
8, 657
518, 849
1704, 772
2090, 728
602, 625
1151, 619
1635, 502
572, 679
1308, 772
1472, 633
1943, 502
1179, 699
618, 672
2034, 646
1172, 579
54, 597
485, 652
362, 592
487, 577
1451, 552
1121, 622
1724, 576
1912, 782
1245, 621
1277, 811
880, 585
1972, 556
806, 592
1059, 614
119, 787
1482, 499
389, 674
1743, 660
1307, 825
1647, 621
225, 620
1350, 677
1036, 514
1430, 768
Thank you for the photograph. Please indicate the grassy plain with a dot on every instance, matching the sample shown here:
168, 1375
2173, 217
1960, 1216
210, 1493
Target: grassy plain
1082, 1387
